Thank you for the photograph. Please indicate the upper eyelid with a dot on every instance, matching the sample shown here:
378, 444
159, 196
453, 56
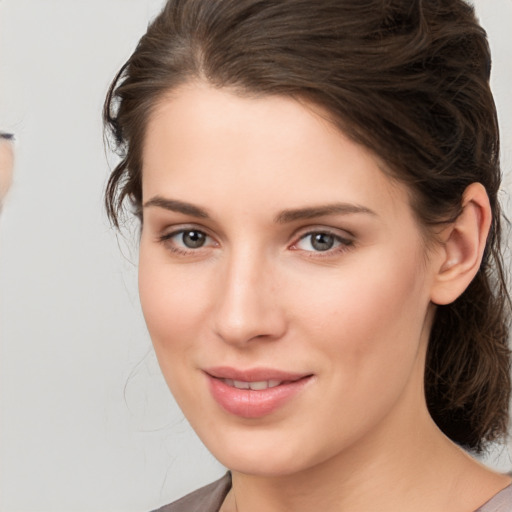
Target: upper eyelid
340, 239
337, 232
169, 231
175, 232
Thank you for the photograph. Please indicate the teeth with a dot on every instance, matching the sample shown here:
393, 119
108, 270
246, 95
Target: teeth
263, 384
255, 386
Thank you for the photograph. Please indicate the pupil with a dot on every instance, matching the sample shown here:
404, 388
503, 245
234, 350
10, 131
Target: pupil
193, 239
322, 241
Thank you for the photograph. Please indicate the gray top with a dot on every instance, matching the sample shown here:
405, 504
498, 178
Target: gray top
502, 502
205, 499
210, 498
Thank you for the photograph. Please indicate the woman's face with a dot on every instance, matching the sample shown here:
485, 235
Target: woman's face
283, 279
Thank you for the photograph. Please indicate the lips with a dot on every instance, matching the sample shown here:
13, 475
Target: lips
253, 393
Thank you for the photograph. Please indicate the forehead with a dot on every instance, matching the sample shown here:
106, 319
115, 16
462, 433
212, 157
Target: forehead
245, 149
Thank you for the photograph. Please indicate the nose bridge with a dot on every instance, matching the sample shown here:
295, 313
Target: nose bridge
247, 303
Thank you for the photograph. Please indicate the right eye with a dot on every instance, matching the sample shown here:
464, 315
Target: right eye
187, 240
192, 239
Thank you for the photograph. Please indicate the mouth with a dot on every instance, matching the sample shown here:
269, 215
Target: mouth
255, 386
254, 393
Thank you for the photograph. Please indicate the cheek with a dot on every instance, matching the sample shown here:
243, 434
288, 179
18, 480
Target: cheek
169, 301
175, 320
365, 329
370, 315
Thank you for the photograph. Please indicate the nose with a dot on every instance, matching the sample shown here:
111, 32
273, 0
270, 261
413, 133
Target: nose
247, 302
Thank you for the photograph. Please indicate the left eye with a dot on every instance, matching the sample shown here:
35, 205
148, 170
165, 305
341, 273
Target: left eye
320, 242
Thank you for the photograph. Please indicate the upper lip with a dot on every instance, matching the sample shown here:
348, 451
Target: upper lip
253, 374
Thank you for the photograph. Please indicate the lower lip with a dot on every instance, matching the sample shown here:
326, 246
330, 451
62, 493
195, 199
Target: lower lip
249, 403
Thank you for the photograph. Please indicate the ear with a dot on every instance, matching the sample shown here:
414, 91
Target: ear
462, 246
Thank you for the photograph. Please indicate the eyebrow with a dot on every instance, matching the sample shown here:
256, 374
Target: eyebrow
321, 211
174, 205
283, 217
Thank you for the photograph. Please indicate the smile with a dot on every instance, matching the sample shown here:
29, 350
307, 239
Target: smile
255, 386
254, 393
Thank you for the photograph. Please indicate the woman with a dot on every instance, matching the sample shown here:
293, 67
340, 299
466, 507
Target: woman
320, 266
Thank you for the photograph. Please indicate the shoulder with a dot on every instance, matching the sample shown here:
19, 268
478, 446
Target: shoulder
206, 499
501, 502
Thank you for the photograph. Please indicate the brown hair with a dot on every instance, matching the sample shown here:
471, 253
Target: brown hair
409, 79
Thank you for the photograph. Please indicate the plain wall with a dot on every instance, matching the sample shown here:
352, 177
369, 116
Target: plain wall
87, 423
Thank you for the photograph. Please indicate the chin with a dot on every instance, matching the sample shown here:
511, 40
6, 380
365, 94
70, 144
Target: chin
265, 465
264, 454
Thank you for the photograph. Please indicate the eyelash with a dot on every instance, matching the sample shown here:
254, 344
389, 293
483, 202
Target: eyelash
343, 244
166, 240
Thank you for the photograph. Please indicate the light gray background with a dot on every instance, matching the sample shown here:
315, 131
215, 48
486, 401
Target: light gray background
86, 422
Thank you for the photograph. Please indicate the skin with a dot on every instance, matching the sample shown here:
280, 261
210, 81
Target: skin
258, 293
6, 165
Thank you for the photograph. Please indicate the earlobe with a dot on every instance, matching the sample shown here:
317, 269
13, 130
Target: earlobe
463, 246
